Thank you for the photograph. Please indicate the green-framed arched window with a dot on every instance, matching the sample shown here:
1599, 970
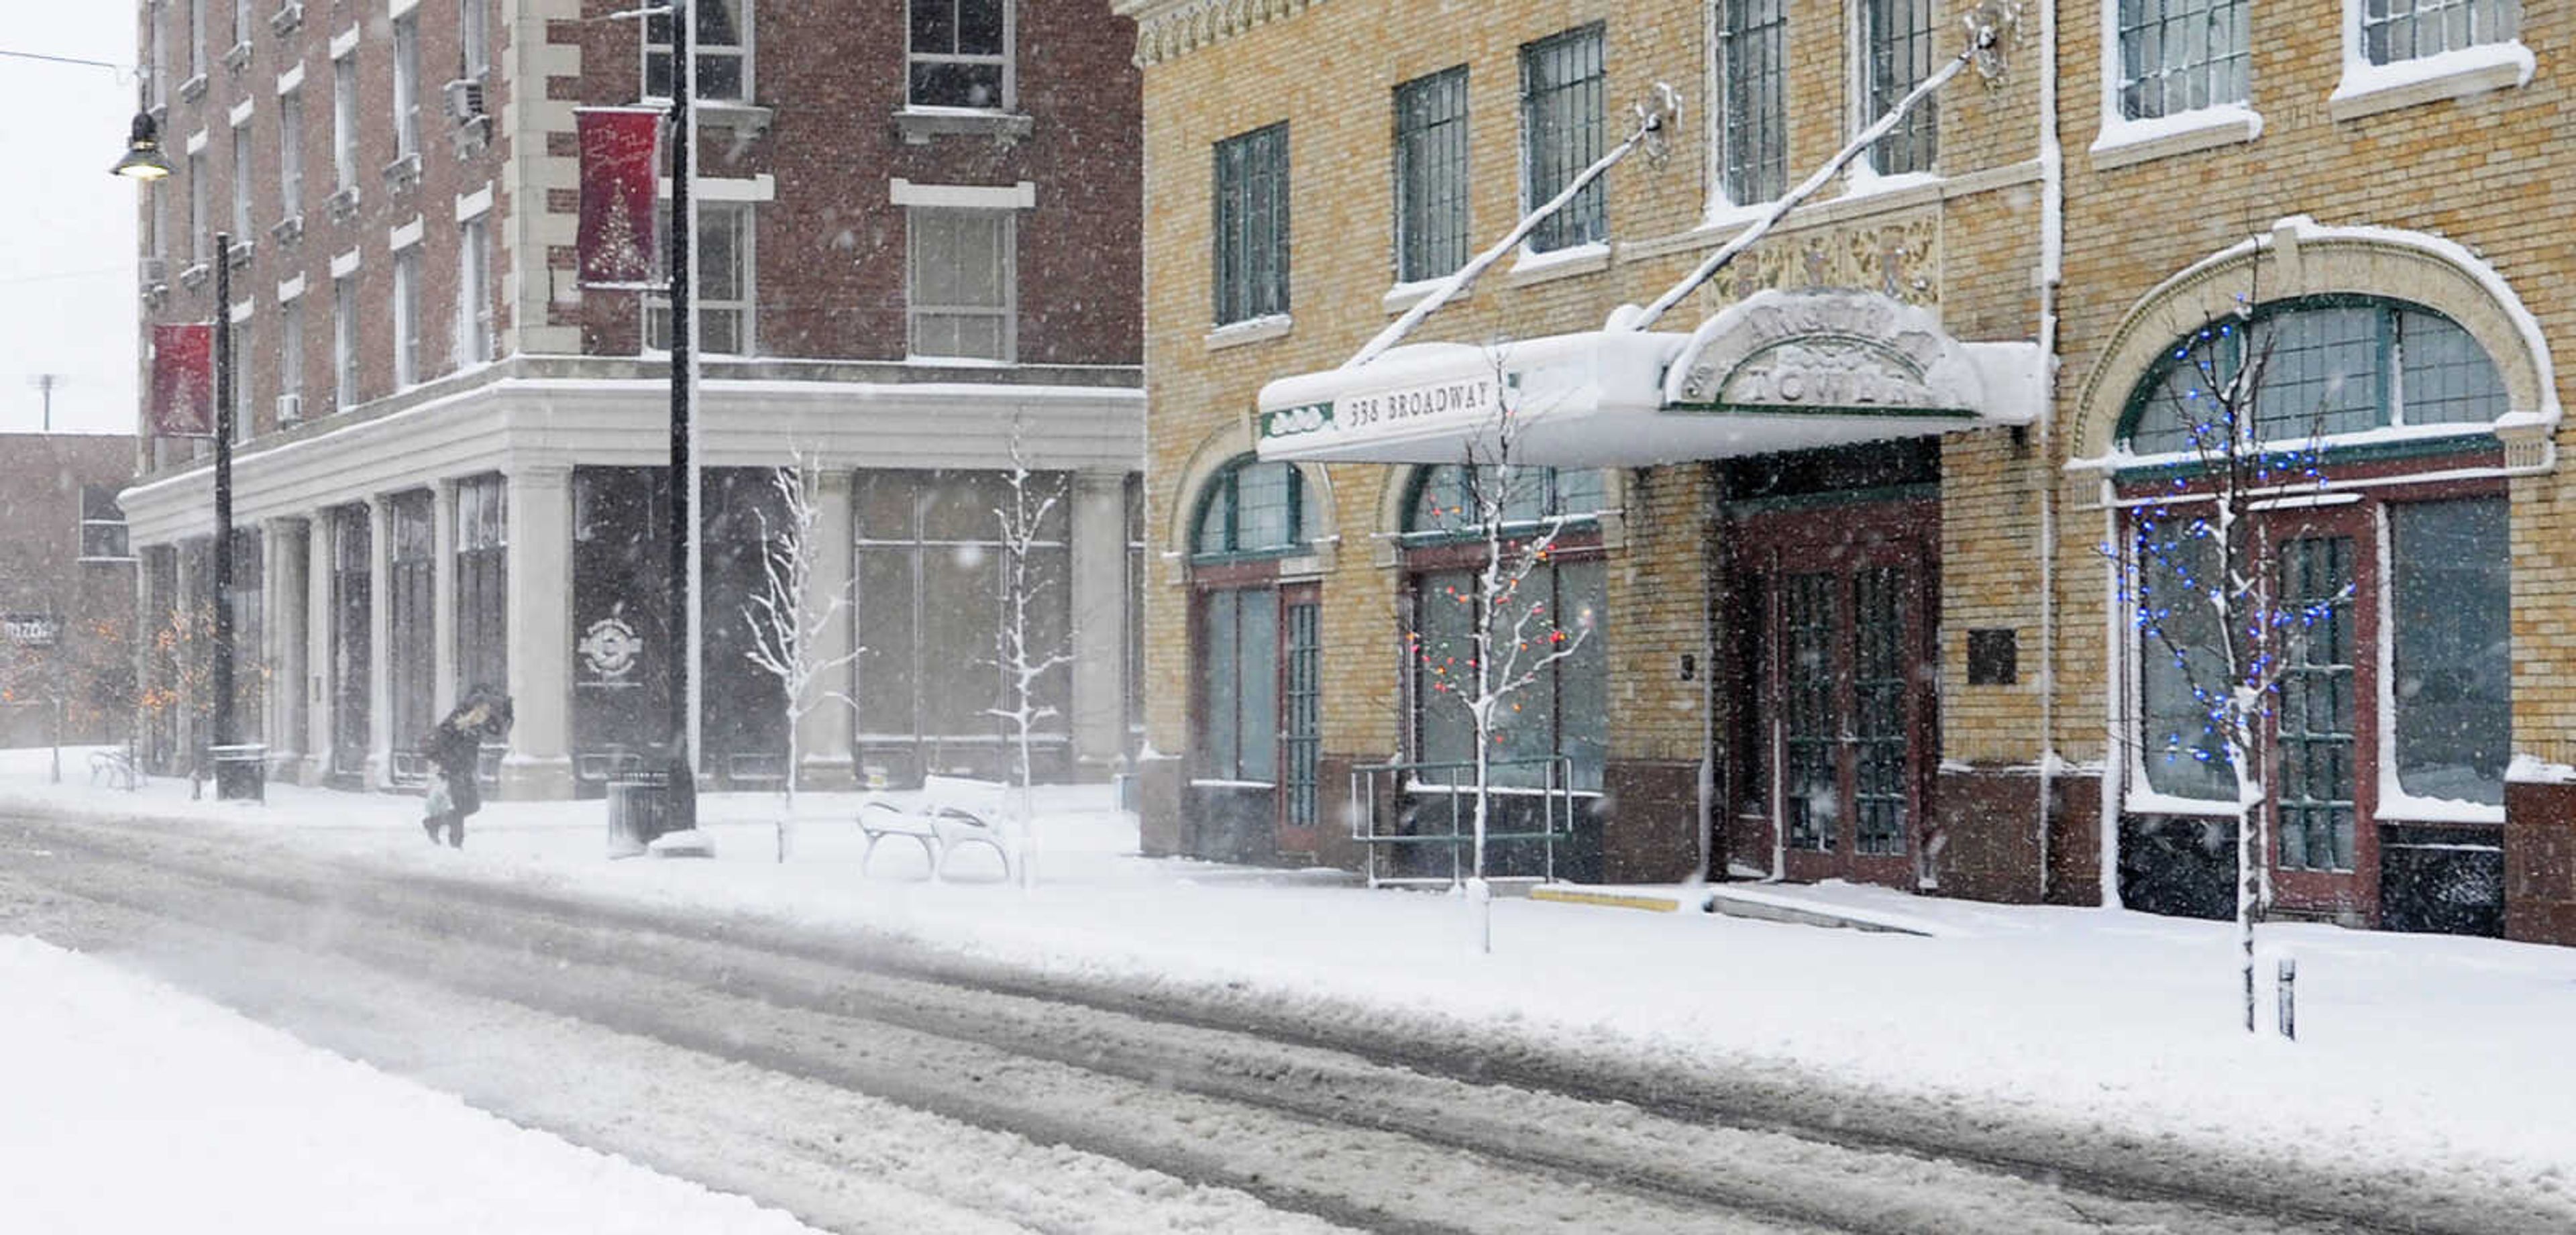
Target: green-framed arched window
2339, 365
1448, 500
1250, 509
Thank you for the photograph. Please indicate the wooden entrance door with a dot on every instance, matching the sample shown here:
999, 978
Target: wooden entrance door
1301, 715
1846, 698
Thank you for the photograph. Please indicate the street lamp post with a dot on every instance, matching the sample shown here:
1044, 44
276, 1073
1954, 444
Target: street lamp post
227, 784
682, 800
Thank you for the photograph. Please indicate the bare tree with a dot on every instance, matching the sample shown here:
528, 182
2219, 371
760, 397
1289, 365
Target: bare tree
1513, 633
1024, 654
788, 626
2203, 573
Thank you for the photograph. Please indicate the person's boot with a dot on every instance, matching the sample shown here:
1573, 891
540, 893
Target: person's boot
456, 835
430, 825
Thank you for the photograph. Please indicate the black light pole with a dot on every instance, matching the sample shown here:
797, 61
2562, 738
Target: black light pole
683, 283
225, 786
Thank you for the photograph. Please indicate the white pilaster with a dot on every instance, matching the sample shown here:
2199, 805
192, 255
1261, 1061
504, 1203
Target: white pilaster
442, 597
380, 641
321, 717
825, 741
539, 764
1099, 583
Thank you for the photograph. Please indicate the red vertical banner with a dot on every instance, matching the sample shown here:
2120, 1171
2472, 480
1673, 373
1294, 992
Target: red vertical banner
183, 380
621, 181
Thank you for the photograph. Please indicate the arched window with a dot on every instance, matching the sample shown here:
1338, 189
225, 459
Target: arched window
1449, 500
1251, 509
2339, 366
1565, 712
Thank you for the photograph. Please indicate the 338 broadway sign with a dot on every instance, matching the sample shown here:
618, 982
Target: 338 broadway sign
1466, 399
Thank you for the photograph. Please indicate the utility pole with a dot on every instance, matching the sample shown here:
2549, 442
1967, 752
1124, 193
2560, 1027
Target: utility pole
47, 384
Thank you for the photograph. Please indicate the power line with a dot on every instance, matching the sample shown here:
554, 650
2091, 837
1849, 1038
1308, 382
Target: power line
37, 55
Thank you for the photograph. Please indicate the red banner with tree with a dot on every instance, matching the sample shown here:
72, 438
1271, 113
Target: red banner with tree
620, 188
183, 380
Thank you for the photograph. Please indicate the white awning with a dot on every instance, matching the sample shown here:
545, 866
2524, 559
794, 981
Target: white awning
1778, 371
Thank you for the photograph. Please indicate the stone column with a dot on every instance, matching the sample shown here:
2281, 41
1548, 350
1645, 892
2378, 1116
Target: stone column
380, 641
321, 720
824, 735
282, 543
539, 764
442, 597
1099, 584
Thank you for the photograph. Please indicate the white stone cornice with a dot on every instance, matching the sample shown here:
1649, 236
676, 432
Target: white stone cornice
1170, 29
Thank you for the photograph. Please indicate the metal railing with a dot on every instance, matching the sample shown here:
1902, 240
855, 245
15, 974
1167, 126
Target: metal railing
1436, 808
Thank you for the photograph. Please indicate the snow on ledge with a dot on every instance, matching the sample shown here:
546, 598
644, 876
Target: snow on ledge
2124, 142
2530, 770
1533, 267
1250, 330
2368, 89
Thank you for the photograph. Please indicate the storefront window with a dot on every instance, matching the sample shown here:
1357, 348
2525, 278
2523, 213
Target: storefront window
2452, 640
2179, 657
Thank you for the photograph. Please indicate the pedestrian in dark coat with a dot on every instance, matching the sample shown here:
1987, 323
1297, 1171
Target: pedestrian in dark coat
455, 750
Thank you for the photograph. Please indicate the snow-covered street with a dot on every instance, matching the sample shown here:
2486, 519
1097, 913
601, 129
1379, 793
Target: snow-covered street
2422, 1089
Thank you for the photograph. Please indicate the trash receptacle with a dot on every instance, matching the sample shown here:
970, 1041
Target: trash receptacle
241, 772
639, 809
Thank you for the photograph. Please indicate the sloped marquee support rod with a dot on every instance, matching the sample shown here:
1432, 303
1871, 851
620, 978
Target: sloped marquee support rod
1989, 25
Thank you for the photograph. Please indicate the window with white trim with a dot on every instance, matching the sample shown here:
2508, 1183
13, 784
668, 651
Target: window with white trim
156, 29
2180, 55
200, 236
290, 359
290, 153
1896, 55
102, 531
1431, 175
344, 122
1251, 224
2395, 30
473, 29
724, 52
473, 292
243, 23
243, 370
344, 342
725, 284
958, 53
960, 284
196, 38
241, 184
407, 367
1561, 135
406, 85
1752, 91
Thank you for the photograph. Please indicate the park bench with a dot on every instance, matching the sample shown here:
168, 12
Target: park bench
950, 812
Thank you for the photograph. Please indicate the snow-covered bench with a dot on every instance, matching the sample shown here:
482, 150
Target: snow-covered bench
948, 813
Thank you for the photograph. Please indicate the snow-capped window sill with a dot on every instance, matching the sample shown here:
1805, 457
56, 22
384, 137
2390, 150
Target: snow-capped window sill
2139, 801
1404, 296
1565, 263
918, 124
2369, 89
1905, 187
2126, 142
1250, 330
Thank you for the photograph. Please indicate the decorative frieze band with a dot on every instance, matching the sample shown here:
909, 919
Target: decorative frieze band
1182, 28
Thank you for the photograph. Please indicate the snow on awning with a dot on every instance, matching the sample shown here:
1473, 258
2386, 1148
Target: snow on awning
1778, 371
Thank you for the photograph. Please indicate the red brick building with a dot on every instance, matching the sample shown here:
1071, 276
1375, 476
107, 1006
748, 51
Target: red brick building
917, 242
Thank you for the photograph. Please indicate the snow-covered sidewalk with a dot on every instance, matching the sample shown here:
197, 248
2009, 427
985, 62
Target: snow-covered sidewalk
2435, 1059
133, 1107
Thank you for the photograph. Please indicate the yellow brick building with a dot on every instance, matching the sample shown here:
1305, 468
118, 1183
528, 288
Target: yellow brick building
1827, 536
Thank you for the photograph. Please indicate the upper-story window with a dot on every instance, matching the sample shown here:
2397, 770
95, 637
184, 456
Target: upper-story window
1561, 135
1251, 508
1896, 55
1252, 225
724, 291
474, 32
196, 38
2337, 367
406, 85
200, 240
724, 52
960, 289
102, 530
1752, 91
344, 122
290, 153
2394, 30
243, 23
1431, 175
2181, 55
156, 61
241, 184
473, 291
959, 53
408, 369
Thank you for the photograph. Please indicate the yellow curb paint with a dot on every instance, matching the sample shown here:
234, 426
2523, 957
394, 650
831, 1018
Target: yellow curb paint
1655, 904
